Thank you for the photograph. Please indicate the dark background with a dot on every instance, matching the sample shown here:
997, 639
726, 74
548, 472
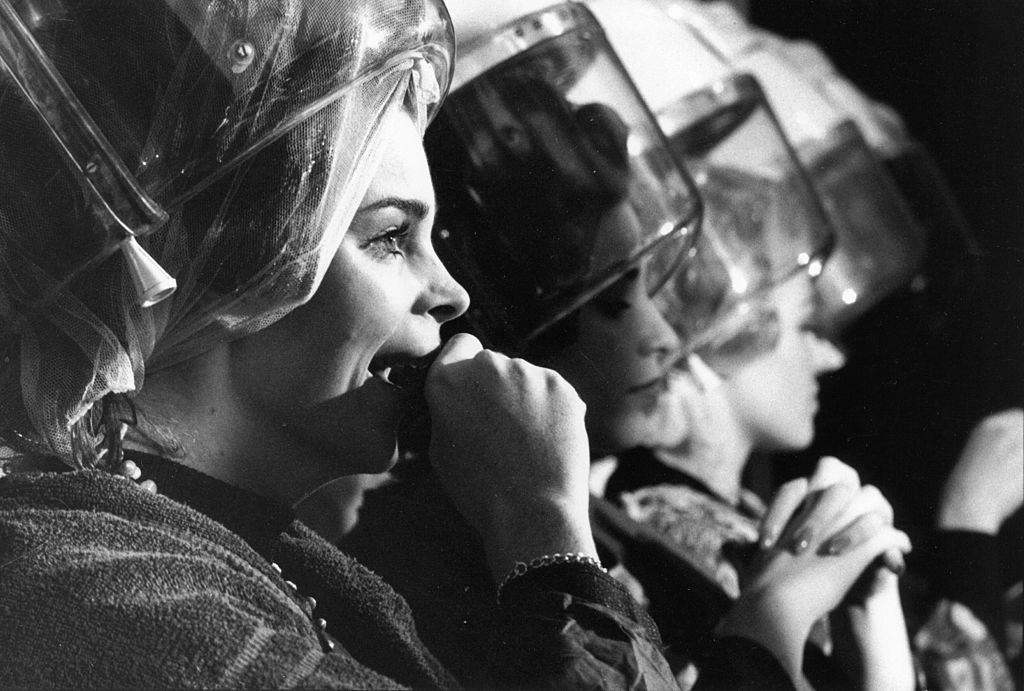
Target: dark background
924, 368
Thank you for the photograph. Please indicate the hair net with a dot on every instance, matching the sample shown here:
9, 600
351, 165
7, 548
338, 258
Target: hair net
552, 177
879, 239
235, 137
762, 220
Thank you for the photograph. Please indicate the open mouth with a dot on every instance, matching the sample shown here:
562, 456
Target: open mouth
408, 374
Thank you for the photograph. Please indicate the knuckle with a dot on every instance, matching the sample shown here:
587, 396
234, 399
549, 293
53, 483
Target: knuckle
876, 520
488, 359
873, 493
463, 339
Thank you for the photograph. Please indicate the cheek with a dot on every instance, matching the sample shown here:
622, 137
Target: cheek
587, 366
612, 346
370, 303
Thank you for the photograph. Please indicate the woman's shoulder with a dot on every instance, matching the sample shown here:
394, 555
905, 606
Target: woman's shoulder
98, 508
138, 588
58, 527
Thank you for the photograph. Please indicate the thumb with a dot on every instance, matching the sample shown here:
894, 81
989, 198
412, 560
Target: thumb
461, 346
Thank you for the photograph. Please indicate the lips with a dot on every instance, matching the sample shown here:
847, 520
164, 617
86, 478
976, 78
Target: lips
406, 374
656, 385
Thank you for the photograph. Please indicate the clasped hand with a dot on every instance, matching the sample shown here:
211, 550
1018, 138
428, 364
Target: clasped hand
828, 547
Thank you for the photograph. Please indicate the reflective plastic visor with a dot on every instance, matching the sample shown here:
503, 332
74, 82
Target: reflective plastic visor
553, 179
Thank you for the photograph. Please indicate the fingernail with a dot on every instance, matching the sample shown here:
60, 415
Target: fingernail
895, 563
801, 540
837, 546
768, 539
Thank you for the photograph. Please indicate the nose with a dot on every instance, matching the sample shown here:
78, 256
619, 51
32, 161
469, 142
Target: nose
445, 299
827, 356
658, 338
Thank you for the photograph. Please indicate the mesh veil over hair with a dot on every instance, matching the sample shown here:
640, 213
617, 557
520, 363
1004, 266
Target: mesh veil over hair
256, 125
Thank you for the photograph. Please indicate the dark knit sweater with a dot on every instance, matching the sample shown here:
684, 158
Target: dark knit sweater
103, 584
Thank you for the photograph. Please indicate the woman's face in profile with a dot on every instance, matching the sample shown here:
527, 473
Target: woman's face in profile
321, 370
622, 357
774, 398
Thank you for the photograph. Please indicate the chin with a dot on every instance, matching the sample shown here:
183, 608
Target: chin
791, 439
377, 455
639, 429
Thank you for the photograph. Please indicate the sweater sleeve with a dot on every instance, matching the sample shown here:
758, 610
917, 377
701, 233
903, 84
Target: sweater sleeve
958, 646
572, 626
565, 626
89, 599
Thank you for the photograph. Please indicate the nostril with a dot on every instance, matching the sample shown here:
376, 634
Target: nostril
661, 349
445, 313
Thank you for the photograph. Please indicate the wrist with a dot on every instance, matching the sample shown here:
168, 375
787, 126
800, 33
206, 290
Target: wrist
532, 530
557, 566
953, 517
769, 622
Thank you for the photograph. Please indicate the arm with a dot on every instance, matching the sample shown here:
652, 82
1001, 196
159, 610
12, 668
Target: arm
510, 449
958, 645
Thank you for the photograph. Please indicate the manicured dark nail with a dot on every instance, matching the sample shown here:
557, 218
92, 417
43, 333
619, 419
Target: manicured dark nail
894, 562
836, 546
768, 539
801, 540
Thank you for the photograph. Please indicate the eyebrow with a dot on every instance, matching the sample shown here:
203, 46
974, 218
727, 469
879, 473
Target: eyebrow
413, 207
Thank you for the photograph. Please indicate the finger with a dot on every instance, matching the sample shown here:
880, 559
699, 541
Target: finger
461, 346
821, 511
831, 471
869, 499
786, 501
854, 534
880, 547
893, 560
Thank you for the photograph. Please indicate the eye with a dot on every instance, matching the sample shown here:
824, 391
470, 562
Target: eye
391, 242
614, 300
610, 305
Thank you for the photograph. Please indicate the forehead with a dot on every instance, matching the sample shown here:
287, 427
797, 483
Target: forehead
403, 170
618, 234
794, 297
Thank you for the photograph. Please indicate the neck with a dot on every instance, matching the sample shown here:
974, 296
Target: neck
716, 451
193, 414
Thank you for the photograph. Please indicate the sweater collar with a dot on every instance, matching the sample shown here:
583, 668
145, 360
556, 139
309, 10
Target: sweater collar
256, 519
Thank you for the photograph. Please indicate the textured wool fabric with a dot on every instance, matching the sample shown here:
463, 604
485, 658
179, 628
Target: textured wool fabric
103, 584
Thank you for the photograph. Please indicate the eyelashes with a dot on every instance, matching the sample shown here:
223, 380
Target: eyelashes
610, 307
391, 242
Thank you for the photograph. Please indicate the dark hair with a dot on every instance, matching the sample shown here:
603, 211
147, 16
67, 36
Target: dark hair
522, 177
